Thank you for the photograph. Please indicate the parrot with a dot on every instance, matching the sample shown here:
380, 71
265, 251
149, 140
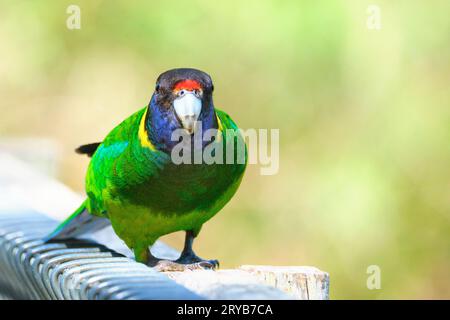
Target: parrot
133, 184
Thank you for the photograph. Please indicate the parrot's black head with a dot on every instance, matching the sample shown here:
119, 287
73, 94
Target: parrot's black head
192, 79
182, 99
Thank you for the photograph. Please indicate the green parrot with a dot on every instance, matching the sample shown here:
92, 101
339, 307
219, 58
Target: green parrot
133, 183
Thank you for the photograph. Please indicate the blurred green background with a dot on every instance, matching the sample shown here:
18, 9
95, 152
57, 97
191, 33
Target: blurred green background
364, 119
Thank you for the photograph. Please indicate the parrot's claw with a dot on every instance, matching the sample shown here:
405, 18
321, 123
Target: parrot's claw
209, 264
167, 266
193, 259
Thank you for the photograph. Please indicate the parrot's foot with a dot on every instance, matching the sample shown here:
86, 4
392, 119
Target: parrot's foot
188, 260
189, 257
167, 265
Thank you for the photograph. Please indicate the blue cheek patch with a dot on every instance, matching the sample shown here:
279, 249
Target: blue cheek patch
163, 122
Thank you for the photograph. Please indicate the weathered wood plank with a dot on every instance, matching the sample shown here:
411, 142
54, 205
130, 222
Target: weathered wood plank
227, 284
305, 283
254, 282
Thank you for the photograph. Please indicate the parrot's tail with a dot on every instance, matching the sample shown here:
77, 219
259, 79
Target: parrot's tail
79, 223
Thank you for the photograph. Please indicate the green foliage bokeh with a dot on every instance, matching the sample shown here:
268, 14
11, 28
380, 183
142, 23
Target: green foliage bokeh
364, 119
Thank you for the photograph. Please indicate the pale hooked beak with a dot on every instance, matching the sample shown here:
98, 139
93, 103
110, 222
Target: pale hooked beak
188, 109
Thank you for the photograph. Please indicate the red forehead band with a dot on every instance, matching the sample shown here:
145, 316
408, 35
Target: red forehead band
187, 85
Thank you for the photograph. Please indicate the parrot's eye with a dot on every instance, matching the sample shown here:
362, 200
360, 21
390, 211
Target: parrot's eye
181, 93
157, 88
198, 93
